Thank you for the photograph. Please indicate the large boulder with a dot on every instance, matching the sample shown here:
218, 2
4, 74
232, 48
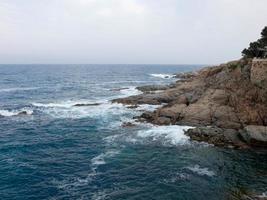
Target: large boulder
255, 135
216, 136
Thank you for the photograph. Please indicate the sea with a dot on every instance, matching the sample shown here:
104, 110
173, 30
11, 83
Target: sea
52, 149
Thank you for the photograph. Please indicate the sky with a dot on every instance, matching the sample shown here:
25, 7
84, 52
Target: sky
128, 31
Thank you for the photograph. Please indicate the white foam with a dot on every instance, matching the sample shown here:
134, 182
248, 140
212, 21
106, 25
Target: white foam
7, 113
18, 89
66, 104
130, 91
148, 107
66, 109
95, 162
177, 177
74, 182
164, 135
263, 195
164, 76
100, 159
167, 134
50, 105
201, 171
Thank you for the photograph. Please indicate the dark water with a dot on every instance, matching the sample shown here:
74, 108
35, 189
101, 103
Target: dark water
59, 151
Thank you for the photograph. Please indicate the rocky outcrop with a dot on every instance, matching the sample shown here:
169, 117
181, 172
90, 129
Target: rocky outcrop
185, 75
228, 96
218, 136
153, 88
128, 125
255, 135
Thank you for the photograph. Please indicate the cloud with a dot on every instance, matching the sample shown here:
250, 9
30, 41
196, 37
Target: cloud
128, 31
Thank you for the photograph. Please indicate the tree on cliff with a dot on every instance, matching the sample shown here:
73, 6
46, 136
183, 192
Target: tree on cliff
257, 49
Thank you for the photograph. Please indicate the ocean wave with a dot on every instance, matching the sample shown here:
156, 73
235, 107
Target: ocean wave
68, 104
100, 159
99, 195
165, 135
74, 182
78, 181
201, 171
67, 109
130, 91
176, 177
263, 195
119, 82
18, 89
10, 113
173, 135
164, 76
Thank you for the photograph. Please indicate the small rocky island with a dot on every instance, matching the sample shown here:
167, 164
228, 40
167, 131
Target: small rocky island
227, 103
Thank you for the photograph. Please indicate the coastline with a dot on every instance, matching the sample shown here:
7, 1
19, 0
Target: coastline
227, 103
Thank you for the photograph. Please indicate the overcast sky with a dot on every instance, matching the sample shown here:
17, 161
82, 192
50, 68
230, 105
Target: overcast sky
128, 31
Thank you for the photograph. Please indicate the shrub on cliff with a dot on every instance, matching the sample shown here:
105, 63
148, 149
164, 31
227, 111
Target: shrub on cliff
258, 48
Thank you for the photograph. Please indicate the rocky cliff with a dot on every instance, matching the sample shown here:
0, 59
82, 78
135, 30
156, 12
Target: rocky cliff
228, 98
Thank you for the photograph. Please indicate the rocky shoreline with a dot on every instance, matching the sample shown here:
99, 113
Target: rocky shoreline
227, 103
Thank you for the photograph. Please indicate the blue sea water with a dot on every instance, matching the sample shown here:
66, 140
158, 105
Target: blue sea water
59, 151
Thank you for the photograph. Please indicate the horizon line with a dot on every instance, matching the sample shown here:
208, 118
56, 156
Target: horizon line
101, 64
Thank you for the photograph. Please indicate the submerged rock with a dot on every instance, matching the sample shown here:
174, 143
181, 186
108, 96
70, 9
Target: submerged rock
128, 125
86, 104
133, 106
22, 113
119, 89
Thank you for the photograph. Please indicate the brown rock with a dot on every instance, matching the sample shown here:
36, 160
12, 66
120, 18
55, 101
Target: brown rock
217, 136
127, 125
163, 121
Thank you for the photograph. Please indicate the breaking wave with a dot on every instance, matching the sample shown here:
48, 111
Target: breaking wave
130, 91
165, 135
100, 159
18, 89
67, 109
10, 113
201, 171
164, 76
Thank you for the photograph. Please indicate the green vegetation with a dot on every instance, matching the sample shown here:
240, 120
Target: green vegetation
257, 49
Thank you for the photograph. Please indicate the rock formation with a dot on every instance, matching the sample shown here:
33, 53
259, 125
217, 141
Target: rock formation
230, 96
